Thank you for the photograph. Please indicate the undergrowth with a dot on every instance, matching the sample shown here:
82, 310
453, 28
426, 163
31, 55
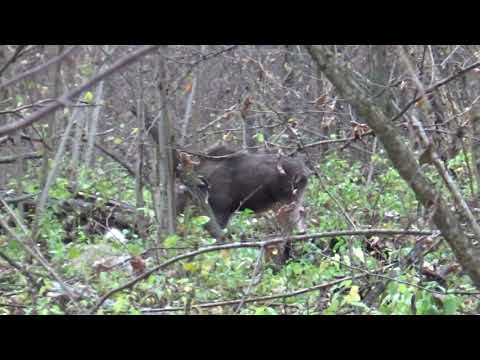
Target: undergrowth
92, 265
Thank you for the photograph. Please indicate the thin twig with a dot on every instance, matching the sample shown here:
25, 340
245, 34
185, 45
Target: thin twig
255, 279
13, 58
432, 88
252, 244
12, 158
18, 267
39, 67
32, 251
433, 156
264, 298
65, 98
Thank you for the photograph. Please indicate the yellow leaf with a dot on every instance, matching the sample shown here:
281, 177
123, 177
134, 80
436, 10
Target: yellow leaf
190, 266
206, 268
117, 141
353, 295
88, 97
227, 136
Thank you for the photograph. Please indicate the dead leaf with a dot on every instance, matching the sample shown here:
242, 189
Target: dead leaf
420, 102
138, 265
271, 252
100, 267
426, 156
186, 161
246, 105
283, 214
188, 87
321, 100
359, 130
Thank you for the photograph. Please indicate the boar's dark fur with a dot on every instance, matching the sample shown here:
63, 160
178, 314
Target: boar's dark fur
240, 180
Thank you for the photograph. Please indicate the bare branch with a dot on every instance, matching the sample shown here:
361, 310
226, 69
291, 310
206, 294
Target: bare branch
9, 128
38, 68
252, 244
12, 158
434, 87
264, 298
12, 59
403, 159
34, 252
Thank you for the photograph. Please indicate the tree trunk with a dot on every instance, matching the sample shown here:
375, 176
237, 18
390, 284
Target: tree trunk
402, 158
164, 192
54, 77
475, 119
93, 126
191, 118
93, 123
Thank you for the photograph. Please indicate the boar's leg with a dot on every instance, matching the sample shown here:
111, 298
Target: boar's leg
289, 217
213, 226
219, 217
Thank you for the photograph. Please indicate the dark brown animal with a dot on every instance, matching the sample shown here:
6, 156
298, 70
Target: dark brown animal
240, 180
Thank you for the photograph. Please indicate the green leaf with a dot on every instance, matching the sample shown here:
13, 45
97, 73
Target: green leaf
120, 304
171, 240
265, 310
296, 268
358, 253
200, 220
334, 304
73, 253
450, 305
134, 249
259, 137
